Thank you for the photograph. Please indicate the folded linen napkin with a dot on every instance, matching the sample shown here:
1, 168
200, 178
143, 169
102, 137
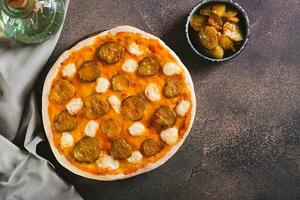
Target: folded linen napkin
24, 174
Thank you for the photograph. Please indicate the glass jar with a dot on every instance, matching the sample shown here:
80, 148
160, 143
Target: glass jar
30, 21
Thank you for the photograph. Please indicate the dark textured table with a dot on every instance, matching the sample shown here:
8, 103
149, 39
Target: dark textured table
245, 141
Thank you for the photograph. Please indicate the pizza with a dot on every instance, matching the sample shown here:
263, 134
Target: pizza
117, 104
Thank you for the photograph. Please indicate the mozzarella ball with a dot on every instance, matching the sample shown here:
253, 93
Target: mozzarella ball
169, 135
74, 105
136, 129
171, 69
135, 157
66, 140
102, 85
91, 128
152, 92
130, 66
69, 70
182, 108
134, 49
115, 103
107, 162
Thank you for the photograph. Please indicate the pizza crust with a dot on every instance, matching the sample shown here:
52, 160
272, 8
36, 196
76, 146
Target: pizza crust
45, 102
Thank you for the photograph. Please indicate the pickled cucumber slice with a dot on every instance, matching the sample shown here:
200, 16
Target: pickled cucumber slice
226, 43
208, 37
197, 21
216, 53
233, 31
219, 9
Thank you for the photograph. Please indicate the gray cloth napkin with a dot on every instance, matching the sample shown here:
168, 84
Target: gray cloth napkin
24, 174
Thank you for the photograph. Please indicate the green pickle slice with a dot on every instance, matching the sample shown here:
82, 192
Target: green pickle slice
216, 53
197, 21
208, 37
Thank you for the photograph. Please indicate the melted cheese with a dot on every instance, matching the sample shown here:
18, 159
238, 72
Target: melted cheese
169, 136
130, 66
107, 162
152, 92
102, 85
182, 108
134, 49
171, 69
136, 129
74, 106
69, 70
91, 128
66, 140
135, 157
115, 103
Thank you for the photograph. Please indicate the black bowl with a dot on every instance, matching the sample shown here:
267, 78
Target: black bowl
192, 36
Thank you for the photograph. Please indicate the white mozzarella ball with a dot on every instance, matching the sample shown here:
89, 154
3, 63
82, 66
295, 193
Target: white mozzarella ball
74, 105
130, 66
107, 162
102, 85
134, 49
69, 70
152, 92
171, 69
115, 103
66, 140
169, 135
91, 128
135, 157
182, 108
136, 129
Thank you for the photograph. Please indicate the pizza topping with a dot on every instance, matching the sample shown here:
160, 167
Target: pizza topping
134, 49
150, 147
164, 116
91, 128
169, 136
120, 149
102, 85
69, 70
89, 71
74, 106
135, 157
86, 150
119, 82
66, 140
115, 103
182, 108
97, 106
111, 52
112, 128
107, 162
130, 65
173, 88
133, 107
65, 122
136, 129
62, 90
148, 67
171, 69
152, 92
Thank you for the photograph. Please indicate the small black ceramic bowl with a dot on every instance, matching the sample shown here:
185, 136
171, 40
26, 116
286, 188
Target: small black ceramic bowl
192, 36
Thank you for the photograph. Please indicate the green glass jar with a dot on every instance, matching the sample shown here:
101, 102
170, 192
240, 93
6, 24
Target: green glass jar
30, 21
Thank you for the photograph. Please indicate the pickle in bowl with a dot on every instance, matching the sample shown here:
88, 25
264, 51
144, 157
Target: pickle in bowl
217, 30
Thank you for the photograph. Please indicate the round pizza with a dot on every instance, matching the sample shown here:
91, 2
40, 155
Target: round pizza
117, 104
